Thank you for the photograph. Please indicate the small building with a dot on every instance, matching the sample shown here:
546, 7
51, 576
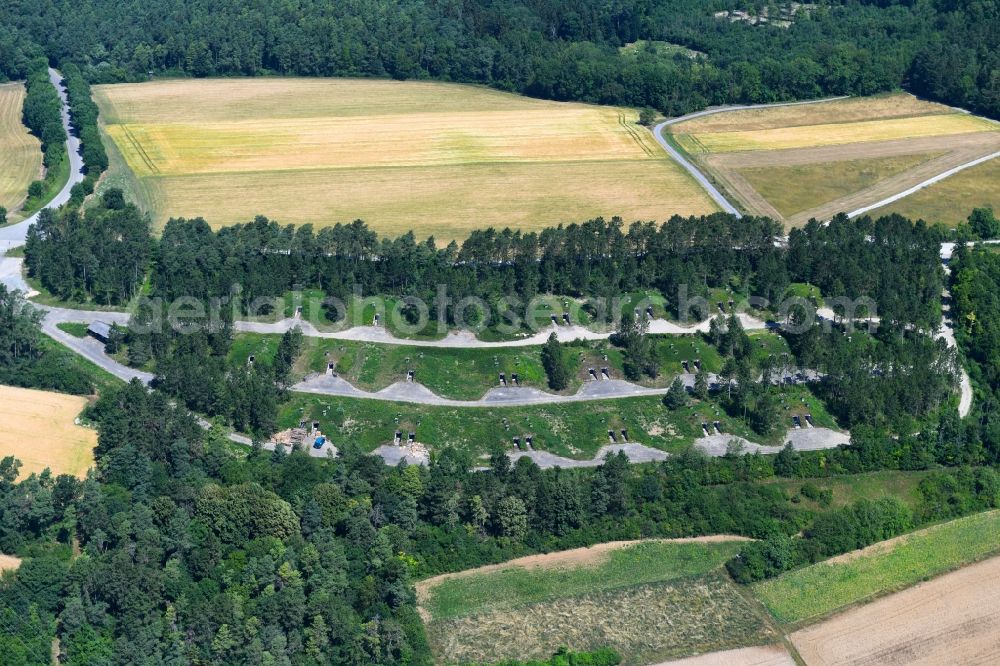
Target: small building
99, 330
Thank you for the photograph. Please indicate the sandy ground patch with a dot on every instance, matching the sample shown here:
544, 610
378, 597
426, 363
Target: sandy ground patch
9, 562
764, 655
37, 427
577, 557
954, 619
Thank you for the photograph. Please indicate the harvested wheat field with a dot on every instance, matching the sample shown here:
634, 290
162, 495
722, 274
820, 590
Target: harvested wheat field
954, 619
650, 601
20, 152
441, 159
812, 161
38, 428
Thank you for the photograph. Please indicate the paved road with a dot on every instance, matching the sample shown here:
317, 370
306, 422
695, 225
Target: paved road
465, 339
15, 234
921, 185
416, 393
696, 173
802, 439
728, 207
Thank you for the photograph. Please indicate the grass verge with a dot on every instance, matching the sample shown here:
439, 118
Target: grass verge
820, 589
507, 588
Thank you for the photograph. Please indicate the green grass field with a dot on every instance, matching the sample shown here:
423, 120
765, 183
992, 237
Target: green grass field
649, 602
507, 588
815, 591
75, 329
853, 487
438, 158
794, 189
575, 430
951, 200
466, 374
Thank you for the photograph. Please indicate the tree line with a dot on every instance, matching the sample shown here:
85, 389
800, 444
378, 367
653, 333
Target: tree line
975, 279
83, 115
101, 254
943, 495
41, 114
565, 51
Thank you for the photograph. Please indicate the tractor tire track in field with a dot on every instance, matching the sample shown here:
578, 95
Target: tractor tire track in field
143, 155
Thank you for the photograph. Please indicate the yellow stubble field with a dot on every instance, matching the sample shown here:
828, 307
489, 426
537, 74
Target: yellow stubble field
807, 161
20, 152
441, 159
835, 133
38, 428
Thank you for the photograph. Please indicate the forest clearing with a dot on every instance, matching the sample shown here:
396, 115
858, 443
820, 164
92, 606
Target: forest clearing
38, 428
649, 601
437, 158
20, 152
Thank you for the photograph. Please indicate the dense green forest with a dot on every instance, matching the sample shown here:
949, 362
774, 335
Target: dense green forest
102, 254
942, 49
180, 548
889, 260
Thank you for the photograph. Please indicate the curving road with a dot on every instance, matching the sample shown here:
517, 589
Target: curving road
728, 206
465, 339
14, 235
416, 393
10, 274
696, 173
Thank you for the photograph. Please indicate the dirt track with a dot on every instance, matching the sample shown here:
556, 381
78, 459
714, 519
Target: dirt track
953, 619
763, 655
957, 149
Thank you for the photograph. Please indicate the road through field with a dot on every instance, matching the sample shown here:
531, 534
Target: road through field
15, 234
696, 173
728, 206
921, 185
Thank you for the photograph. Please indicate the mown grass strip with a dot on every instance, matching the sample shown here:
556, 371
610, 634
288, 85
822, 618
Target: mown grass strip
820, 589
